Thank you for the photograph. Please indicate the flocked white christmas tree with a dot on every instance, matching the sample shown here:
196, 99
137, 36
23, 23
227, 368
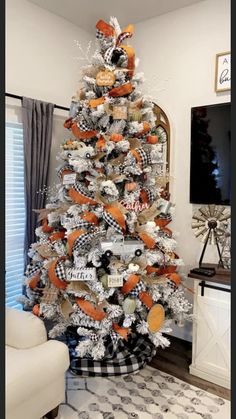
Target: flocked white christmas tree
105, 262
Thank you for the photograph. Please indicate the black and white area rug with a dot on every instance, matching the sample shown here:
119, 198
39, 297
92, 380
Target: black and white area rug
147, 394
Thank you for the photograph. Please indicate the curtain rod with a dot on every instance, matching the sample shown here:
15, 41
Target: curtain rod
21, 97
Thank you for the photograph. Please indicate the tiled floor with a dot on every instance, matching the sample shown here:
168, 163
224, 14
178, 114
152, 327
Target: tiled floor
148, 394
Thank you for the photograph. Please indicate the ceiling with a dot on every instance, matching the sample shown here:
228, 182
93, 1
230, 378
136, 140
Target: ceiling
85, 13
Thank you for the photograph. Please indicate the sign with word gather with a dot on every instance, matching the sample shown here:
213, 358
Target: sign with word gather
81, 274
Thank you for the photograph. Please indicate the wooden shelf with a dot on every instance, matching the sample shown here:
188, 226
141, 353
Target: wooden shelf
218, 278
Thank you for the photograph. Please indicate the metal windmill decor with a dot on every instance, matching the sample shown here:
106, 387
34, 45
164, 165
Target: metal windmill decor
209, 223
225, 242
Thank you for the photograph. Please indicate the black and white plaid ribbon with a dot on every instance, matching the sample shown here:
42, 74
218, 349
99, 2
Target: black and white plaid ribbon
82, 223
165, 216
136, 290
99, 34
82, 190
60, 271
123, 36
111, 222
33, 269
93, 337
143, 156
83, 126
82, 240
109, 52
150, 195
114, 337
149, 160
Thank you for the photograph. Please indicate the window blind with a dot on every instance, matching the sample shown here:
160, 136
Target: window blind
14, 213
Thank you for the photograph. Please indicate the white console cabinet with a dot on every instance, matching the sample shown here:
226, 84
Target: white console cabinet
211, 332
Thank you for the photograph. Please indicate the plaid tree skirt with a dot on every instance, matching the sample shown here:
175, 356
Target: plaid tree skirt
128, 358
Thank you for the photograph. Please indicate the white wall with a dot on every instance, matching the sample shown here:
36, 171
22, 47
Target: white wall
40, 53
177, 55
40, 61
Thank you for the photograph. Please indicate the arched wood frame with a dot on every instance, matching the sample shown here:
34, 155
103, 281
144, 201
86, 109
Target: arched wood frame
163, 121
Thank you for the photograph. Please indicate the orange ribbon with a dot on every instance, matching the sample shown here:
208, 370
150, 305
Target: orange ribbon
144, 196
146, 299
175, 278
90, 217
136, 154
36, 310
101, 143
72, 237
78, 198
67, 124
117, 215
131, 282
122, 331
33, 282
161, 222
83, 135
167, 231
93, 103
131, 59
148, 241
58, 235
123, 90
116, 137
45, 227
90, 310
151, 269
161, 271
105, 28
53, 277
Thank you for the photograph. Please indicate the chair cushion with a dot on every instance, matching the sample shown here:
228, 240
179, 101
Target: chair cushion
24, 329
28, 370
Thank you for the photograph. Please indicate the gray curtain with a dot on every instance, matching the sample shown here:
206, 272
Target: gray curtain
37, 130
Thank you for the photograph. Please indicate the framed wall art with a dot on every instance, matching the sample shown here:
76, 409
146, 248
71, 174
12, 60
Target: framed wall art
223, 72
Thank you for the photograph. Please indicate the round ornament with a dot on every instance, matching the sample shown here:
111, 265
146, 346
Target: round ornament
155, 318
129, 305
105, 78
152, 139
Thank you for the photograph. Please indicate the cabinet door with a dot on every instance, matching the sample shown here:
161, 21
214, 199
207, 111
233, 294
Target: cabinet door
211, 336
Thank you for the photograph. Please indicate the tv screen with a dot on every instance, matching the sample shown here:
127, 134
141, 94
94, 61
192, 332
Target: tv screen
210, 154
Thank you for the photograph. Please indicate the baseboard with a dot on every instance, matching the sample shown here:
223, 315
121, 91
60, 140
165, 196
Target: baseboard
223, 382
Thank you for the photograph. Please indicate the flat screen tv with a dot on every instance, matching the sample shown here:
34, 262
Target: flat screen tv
210, 154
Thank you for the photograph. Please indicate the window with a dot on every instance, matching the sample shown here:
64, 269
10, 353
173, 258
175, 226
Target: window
14, 213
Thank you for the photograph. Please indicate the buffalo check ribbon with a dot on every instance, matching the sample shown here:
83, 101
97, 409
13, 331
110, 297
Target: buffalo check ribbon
56, 274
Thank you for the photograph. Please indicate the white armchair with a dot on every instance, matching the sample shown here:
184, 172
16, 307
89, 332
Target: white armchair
35, 368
